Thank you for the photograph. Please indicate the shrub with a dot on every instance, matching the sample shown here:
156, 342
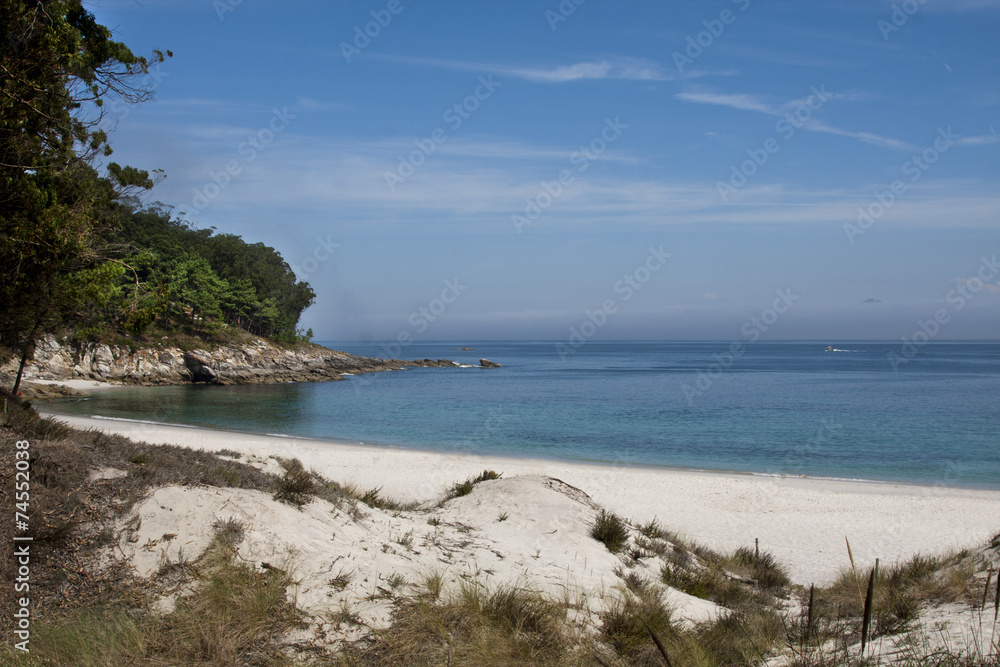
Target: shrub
763, 568
628, 624
610, 529
296, 486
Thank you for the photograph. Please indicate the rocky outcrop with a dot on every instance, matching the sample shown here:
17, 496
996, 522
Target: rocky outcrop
200, 365
256, 362
486, 363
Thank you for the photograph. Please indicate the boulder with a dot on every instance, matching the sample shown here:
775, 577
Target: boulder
486, 363
198, 363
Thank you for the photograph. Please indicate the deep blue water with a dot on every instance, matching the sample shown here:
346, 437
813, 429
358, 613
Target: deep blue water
777, 408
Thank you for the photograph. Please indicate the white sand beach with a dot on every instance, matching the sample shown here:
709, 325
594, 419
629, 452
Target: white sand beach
802, 521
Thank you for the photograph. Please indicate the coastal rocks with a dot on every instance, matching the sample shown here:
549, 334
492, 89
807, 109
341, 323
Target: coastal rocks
256, 361
486, 363
30, 390
199, 365
428, 363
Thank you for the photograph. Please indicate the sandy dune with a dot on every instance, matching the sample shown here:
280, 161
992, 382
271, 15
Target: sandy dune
802, 521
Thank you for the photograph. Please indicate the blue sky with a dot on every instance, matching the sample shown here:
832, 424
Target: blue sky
540, 156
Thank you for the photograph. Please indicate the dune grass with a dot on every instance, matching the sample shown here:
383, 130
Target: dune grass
234, 615
460, 489
298, 486
611, 530
477, 625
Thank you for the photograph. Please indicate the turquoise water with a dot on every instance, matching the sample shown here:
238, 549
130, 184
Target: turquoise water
774, 408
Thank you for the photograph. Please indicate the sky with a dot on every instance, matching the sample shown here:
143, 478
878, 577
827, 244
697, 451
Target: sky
585, 169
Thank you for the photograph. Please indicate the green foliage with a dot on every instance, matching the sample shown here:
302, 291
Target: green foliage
58, 67
75, 252
205, 280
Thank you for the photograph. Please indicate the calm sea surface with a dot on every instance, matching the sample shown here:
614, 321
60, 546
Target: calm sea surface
778, 408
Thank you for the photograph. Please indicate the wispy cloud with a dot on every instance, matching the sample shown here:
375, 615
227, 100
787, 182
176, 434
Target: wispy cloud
632, 70
747, 102
740, 101
866, 137
468, 187
981, 140
629, 69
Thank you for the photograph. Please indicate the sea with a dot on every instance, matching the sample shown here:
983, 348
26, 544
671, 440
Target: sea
864, 410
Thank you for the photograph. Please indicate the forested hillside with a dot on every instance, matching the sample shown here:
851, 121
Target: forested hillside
77, 255
201, 281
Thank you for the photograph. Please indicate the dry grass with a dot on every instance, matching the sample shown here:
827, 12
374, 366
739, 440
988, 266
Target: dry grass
741, 578
629, 625
506, 625
297, 486
899, 593
234, 616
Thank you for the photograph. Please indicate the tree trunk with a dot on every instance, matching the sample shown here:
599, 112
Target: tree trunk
29, 344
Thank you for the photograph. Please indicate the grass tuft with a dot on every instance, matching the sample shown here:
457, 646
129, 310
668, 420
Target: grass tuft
296, 486
477, 625
610, 529
460, 489
762, 567
627, 626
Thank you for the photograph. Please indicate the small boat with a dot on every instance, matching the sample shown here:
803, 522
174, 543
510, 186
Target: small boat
829, 348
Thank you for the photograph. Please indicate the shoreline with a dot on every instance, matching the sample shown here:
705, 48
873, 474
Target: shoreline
903, 484
803, 521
